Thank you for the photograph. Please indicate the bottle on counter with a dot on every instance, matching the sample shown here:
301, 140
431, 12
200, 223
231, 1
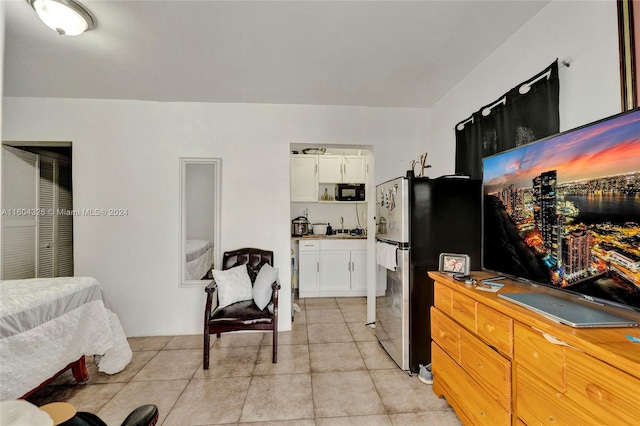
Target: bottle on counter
329, 229
325, 196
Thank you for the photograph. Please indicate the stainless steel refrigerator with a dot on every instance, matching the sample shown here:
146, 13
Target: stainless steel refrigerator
419, 218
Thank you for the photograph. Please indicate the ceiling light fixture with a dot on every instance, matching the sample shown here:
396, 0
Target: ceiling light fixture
66, 17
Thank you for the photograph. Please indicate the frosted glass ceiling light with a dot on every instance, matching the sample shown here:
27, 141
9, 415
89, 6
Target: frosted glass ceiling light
66, 17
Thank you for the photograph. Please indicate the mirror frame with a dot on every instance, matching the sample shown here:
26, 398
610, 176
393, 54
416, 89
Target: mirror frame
217, 164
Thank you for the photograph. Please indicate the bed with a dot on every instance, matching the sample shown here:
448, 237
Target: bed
49, 324
199, 258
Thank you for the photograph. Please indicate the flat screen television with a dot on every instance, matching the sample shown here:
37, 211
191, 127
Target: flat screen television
564, 212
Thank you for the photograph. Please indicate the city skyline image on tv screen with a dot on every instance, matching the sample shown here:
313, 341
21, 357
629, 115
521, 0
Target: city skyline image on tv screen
565, 211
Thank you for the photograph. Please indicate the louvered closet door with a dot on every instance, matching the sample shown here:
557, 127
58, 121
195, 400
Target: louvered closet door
65, 222
55, 231
46, 223
19, 189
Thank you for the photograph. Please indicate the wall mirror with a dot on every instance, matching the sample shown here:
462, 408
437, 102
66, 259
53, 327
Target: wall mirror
199, 219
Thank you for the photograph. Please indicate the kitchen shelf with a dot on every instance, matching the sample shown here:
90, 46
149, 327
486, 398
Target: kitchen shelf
330, 202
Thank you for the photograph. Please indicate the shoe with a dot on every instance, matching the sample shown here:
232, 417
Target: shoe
425, 375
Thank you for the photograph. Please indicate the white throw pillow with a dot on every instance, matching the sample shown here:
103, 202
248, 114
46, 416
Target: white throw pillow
234, 285
262, 287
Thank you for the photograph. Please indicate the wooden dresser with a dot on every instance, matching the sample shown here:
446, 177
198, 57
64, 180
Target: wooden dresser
497, 363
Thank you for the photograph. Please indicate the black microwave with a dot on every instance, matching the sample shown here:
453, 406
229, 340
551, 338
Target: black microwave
350, 192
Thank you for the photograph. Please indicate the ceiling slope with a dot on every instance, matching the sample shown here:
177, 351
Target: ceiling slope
364, 53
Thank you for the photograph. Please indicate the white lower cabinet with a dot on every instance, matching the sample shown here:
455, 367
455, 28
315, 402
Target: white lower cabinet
309, 271
332, 268
335, 271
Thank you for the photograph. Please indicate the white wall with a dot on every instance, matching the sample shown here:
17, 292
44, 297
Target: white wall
126, 155
584, 31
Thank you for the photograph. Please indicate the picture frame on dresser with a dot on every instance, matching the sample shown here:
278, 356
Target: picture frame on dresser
454, 263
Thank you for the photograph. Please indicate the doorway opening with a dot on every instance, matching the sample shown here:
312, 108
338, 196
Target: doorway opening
37, 210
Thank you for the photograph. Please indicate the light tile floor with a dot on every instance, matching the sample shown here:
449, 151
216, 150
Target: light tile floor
331, 370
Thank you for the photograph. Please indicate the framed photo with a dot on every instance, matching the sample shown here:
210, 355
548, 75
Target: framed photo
454, 263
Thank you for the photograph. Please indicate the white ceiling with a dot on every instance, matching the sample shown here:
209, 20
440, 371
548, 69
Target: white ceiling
366, 53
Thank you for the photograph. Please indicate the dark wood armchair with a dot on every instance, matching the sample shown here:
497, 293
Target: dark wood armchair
243, 315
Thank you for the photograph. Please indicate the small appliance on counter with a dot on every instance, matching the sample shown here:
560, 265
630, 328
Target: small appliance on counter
300, 226
320, 228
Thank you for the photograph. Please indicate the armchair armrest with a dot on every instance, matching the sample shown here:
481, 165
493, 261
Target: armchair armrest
275, 287
211, 289
213, 286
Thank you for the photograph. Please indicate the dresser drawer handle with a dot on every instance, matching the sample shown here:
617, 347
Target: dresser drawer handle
441, 333
594, 392
535, 354
488, 327
479, 365
554, 340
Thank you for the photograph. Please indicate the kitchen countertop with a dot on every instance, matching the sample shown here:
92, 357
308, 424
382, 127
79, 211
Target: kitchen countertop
330, 237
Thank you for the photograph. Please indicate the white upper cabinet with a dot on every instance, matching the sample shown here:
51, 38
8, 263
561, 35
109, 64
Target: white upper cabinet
342, 169
304, 178
355, 169
330, 169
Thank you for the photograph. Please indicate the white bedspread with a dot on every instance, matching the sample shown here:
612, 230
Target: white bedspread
47, 323
199, 258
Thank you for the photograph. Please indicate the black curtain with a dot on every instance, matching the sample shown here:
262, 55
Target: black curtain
514, 119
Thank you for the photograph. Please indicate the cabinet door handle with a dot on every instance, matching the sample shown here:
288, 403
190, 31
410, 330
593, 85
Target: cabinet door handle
318, 266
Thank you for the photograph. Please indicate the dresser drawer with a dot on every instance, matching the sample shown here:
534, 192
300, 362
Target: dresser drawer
309, 245
487, 367
479, 407
540, 356
446, 333
539, 404
606, 392
463, 310
495, 328
442, 298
